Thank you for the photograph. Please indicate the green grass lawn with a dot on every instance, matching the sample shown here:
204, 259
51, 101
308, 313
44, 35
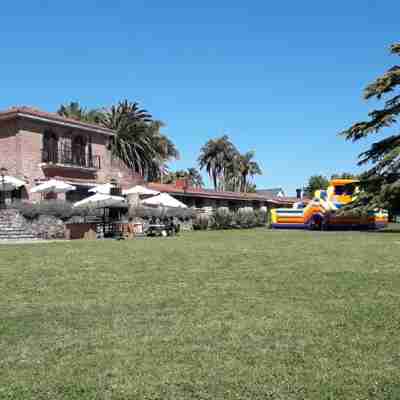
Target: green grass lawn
254, 314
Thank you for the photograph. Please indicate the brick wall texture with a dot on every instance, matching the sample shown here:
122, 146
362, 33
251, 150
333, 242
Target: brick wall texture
21, 144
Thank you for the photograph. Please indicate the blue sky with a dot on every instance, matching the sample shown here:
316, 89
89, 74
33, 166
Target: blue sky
280, 78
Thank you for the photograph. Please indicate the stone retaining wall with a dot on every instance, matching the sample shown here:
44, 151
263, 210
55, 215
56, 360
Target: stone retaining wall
47, 227
15, 225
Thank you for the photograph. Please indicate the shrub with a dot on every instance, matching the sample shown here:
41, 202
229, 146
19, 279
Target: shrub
56, 208
180, 213
28, 210
162, 212
202, 222
245, 218
87, 211
261, 217
223, 218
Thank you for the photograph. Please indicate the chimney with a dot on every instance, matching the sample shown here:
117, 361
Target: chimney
299, 193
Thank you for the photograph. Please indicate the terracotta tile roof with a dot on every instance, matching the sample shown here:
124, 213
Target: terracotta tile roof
209, 193
34, 113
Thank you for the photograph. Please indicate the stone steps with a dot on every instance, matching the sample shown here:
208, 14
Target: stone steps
13, 227
16, 234
11, 230
18, 237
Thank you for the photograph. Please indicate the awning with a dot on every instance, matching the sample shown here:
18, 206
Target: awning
53, 186
140, 190
9, 183
100, 200
103, 189
164, 200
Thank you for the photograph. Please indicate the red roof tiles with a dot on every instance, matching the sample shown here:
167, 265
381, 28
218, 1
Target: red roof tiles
213, 194
34, 113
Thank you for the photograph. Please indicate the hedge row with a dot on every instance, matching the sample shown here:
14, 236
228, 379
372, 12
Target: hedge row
223, 218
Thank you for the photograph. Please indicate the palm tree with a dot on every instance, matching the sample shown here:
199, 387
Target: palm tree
134, 113
130, 144
138, 141
232, 173
227, 168
239, 170
164, 151
195, 177
248, 169
75, 111
215, 155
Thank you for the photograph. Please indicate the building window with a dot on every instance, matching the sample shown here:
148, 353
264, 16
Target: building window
339, 190
79, 150
50, 147
345, 189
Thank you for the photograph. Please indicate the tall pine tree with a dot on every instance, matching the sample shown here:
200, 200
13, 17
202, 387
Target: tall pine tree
380, 185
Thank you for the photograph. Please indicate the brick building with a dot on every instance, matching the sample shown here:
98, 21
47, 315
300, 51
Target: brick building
36, 146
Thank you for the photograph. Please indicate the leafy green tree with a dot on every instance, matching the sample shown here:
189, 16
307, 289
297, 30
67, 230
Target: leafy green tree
252, 188
173, 176
316, 182
380, 185
192, 175
344, 175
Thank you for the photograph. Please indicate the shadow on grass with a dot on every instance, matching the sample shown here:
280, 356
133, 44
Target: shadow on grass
386, 231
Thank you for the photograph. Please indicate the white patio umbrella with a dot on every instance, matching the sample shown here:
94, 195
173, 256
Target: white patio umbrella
103, 189
164, 200
53, 186
140, 190
9, 183
100, 200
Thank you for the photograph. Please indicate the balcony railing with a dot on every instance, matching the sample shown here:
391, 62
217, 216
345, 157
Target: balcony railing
68, 156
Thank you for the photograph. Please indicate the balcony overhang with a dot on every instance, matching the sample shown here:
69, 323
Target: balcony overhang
71, 167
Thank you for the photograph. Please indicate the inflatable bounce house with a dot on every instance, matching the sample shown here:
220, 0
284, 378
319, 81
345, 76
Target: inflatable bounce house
322, 211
